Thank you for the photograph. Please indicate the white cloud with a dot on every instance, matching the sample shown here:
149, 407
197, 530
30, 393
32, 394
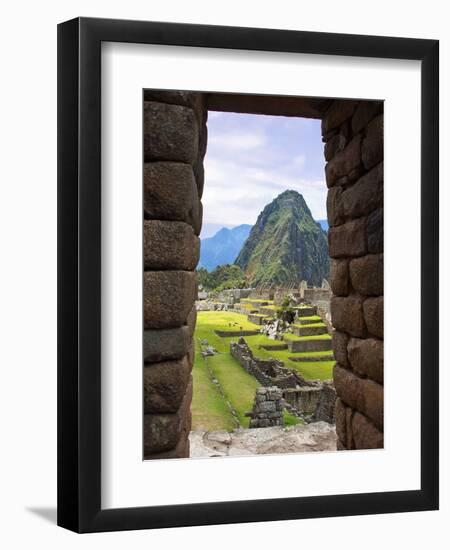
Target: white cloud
237, 141
251, 160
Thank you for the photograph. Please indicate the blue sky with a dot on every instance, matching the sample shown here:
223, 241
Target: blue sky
253, 158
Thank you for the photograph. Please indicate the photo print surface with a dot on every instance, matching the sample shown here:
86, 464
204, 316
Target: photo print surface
263, 274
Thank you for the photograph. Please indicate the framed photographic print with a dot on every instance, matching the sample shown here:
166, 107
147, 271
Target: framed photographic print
234, 206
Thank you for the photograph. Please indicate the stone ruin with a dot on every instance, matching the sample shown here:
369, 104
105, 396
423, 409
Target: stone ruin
308, 398
267, 409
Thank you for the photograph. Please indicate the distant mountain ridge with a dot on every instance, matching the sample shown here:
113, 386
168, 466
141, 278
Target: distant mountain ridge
223, 247
286, 244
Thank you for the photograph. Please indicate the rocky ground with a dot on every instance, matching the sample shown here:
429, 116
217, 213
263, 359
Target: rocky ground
318, 436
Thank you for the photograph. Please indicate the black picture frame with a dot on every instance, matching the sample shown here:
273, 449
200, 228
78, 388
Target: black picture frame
79, 274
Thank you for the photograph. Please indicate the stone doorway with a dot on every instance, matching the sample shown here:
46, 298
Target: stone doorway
175, 141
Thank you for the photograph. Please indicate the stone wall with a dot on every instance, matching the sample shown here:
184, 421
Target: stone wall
353, 136
268, 372
300, 396
174, 146
267, 409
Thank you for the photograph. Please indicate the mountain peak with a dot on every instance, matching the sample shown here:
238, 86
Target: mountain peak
286, 244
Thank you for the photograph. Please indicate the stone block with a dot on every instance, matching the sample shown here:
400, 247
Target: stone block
364, 196
366, 275
347, 240
344, 162
366, 357
170, 245
165, 385
165, 344
347, 315
364, 113
340, 420
181, 450
366, 396
372, 145
170, 193
168, 298
340, 342
338, 112
191, 320
335, 209
374, 315
335, 145
339, 277
170, 132
375, 238
267, 406
163, 432
365, 434
174, 97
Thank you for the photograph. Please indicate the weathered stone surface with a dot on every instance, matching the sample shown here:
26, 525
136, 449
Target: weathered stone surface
335, 145
349, 443
182, 450
364, 196
338, 112
170, 193
372, 145
165, 385
165, 344
340, 342
366, 357
170, 245
364, 395
347, 315
163, 432
191, 320
339, 277
170, 132
364, 113
168, 298
349, 239
335, 209
341, 431
375, 241
344, 162
366, 274
374, 316
174, 97
365, 435
317, 436
340, 446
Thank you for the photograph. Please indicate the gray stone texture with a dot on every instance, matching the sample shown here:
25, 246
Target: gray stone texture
364, 196
366, 275
168, 298
163, 432
359, 393
170, 193
372, 146
374, 315
364, 113
165, 385
344, 162
347, 315
366, 357
339, 277
165, 344
170, 132
340, 342
337, 113
170, 245
347, 240
375, 239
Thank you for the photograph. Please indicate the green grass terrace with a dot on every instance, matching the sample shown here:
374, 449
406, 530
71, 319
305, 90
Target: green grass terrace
222, 385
